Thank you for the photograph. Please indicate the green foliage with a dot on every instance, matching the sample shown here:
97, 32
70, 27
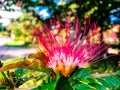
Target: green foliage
98, 9
15, 43
50, 85
63, 84
1, 76
80, 73
20, 72
106, 66
82, 80
20, 29
93, 83
12, 80
82, 87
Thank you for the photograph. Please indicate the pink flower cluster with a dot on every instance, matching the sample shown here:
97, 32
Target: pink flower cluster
67, 47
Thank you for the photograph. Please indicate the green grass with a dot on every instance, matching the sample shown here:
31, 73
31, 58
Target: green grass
18, 44
15, 43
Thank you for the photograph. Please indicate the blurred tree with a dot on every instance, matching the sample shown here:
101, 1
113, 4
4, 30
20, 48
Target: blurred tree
98, 10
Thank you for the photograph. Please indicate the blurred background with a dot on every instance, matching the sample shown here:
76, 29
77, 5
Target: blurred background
19, 17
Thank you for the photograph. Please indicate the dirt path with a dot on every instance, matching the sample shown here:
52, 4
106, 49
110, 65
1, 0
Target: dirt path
9, 52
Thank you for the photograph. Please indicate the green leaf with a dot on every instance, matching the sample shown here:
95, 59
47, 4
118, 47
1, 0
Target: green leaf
116, 79
20, 72
1, 76
82, 87
88, 80
118, 72
97, 86
80, 73
48, 86
37, 88
63, 84
110, 81
104, 83
2, 87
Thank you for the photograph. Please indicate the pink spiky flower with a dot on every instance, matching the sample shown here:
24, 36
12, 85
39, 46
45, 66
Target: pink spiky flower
67, 47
